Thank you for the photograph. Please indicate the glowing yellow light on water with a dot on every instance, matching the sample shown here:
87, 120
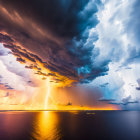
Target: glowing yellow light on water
47, 93
47, 126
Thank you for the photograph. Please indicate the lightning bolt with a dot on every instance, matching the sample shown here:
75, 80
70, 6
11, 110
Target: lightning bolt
47, 94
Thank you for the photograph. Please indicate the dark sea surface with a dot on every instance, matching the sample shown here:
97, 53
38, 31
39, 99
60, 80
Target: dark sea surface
72, 125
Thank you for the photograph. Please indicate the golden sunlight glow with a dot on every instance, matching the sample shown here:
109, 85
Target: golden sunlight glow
47, 93
72, 108
47, 126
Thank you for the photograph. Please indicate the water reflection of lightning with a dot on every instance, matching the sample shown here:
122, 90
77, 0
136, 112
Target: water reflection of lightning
47, 93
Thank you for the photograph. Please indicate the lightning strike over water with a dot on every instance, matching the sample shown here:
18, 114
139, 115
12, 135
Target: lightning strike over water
47, 94
69, 69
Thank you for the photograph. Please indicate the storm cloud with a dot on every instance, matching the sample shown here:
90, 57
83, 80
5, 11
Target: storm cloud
126, 101
54, 33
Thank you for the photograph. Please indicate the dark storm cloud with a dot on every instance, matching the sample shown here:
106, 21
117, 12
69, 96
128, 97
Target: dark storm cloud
20, 52
20, 60
54, 33
137, 88
8, 87
64, 17
32, 84
5, 39
106, 100
104, 85
125, 101
32, 67
138, 81
41, 73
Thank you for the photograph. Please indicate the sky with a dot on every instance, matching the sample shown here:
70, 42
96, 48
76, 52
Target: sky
56, 53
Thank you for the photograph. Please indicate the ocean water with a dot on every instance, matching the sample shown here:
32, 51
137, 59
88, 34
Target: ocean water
71, 125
